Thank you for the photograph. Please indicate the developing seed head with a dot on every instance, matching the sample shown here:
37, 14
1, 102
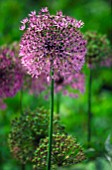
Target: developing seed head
65, 151
98, 50
27, 131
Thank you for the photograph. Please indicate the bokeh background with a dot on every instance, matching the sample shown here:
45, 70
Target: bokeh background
96, 14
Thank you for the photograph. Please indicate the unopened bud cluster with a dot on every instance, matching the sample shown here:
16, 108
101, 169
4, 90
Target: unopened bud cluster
98, 49
65, 151
26, 132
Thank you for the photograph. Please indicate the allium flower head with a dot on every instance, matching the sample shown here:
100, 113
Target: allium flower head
10, 71
26, 132
98, 50
66, 151
52, 39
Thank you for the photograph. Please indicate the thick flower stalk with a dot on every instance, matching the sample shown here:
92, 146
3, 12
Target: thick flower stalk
98, 50
53, 38
98, 55
10, 71
26, 132
66, 151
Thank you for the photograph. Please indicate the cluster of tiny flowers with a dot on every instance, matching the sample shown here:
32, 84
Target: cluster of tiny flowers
66, 151
52, 41
98, 50
26, 132
10, 71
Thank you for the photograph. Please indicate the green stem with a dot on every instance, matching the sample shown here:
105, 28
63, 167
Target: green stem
89, 107
51, 121
23, 167
58, 102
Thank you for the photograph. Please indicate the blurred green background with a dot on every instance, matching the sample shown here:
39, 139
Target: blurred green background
96, 14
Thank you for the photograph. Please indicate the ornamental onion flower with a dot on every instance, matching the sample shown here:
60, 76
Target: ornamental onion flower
98, 50
98, 55
27, 131
51, 45
10, 71
66, 151
51, 39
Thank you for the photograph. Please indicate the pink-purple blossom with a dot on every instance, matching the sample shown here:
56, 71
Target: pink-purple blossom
10, 71
52, 39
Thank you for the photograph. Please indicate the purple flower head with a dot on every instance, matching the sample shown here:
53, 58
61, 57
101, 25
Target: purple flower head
10, 71
52, 39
